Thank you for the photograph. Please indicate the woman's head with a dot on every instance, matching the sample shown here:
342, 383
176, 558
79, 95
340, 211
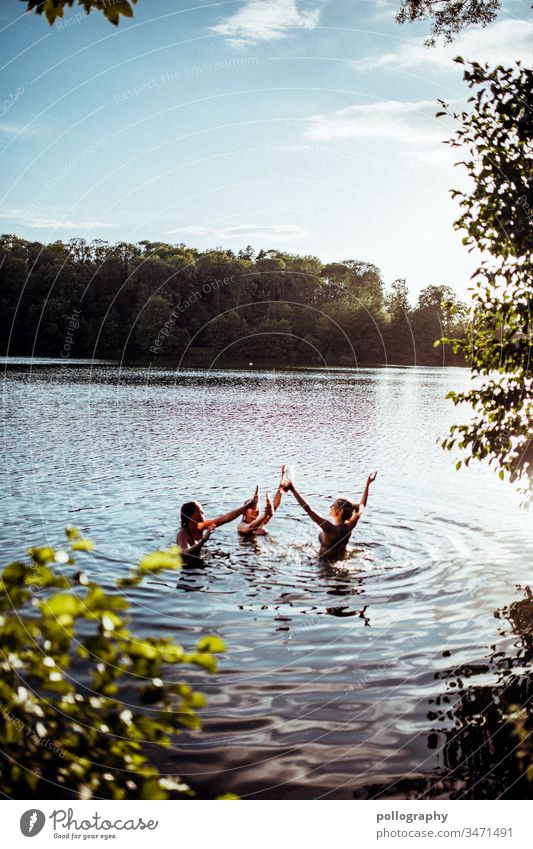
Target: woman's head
342, 509
250, 514
191, 511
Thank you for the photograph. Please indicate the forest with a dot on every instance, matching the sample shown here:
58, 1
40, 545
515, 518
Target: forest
173, 303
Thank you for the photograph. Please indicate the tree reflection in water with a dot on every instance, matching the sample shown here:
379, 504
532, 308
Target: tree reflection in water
488, 753
482, 724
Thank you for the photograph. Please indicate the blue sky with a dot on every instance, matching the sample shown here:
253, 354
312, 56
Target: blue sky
305, 125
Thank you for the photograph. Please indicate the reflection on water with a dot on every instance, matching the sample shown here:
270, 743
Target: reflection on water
373, 676
483, 753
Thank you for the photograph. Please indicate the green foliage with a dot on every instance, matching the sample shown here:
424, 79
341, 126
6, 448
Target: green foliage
62, 738
448, 17
496, 140
155, 300
521, 720
53, 9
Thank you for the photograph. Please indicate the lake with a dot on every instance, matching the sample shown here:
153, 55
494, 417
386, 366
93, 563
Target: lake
340, 680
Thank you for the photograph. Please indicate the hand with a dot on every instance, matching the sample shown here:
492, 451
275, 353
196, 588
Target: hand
371, 478
285, 484
269, 507
208, 531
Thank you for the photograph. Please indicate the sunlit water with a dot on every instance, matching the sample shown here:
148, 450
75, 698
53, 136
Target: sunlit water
332, 672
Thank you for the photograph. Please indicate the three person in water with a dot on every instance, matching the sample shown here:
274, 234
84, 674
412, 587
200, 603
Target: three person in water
335, 532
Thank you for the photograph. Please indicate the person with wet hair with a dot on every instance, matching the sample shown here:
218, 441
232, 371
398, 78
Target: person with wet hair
195, 529
334, 535
253, 521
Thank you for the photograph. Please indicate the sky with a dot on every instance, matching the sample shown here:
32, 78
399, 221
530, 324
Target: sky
302, 125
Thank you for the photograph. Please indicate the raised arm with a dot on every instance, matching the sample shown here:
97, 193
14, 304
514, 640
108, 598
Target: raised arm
280, 490
364, 498
227, 517
261, 521
270, 509
325, 524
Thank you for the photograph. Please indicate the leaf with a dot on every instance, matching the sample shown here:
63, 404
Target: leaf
15, 574
141, 648
160, 560
62, 604
42, 554
112, 15
82, 545
152, 789
124, 8
173, 654
206, 661
211, 644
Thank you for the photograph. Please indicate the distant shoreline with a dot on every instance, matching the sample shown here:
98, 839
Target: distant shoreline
260, 365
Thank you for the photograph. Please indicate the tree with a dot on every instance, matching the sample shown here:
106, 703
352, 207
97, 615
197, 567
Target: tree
132, 298
397, 300
398, 331
443, 303
496, 216
496, 136
112, 9
227, 331
448, 17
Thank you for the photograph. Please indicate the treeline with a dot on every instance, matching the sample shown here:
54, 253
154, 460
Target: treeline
159, 301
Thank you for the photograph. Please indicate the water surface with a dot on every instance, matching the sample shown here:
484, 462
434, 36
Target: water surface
334, 673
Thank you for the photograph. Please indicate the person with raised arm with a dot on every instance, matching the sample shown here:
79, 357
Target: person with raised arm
253, 522
335, 533
195, 529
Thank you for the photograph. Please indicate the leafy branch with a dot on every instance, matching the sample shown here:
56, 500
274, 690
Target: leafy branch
53, 9
63, 738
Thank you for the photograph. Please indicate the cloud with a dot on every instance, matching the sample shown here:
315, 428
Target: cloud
43, 222
443, 157
10, 129
390, 119
13, 128
266, 20
503, 43
245, 231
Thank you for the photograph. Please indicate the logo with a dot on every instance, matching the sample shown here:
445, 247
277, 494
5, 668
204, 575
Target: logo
32, 822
